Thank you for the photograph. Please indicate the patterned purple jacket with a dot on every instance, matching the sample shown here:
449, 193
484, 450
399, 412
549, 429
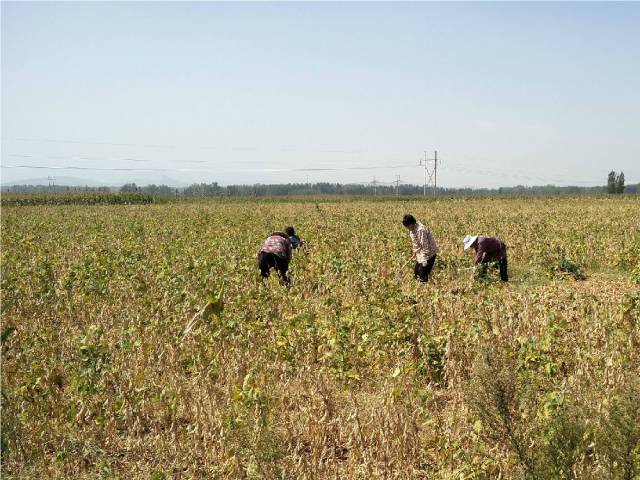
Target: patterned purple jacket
277, 244
490, 249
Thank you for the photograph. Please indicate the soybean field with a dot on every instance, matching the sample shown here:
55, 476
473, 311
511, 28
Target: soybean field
355, 371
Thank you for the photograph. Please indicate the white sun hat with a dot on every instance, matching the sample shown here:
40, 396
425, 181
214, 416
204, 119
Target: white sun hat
468, 241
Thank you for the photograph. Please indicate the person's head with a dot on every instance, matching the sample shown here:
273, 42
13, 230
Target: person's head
289, 231
470, 241
409, 222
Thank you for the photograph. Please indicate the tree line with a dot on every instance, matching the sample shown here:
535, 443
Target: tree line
325, 188
615, 185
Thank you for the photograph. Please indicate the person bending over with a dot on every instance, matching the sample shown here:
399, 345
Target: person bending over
275, 253
295, 239
488, 250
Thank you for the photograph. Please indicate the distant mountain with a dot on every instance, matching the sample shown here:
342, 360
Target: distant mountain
68, 181
156, 180
59, 180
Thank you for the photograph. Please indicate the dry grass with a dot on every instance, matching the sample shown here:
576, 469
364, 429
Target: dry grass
347, 374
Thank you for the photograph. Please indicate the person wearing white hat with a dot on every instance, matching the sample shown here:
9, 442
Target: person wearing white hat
424, 247
487, 250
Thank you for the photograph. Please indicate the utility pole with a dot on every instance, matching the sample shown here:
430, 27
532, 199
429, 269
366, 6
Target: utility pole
375, 186
429, 175
435, 173
424, 163
397, 185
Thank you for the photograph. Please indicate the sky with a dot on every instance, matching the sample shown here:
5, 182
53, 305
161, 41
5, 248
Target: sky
177, 92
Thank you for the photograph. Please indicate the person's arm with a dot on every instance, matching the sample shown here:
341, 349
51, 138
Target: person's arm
480, 255
415, 246
481, 250
428, 243
289, 249
422, 240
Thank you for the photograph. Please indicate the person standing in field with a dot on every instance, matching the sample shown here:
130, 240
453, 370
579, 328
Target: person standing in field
423, 245
487, 250
275, 253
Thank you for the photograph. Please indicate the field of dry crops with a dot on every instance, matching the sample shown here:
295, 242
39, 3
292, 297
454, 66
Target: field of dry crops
349, 373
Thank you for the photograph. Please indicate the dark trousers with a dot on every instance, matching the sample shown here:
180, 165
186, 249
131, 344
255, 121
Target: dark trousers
422, 272
502, 265
267, 261
503, 269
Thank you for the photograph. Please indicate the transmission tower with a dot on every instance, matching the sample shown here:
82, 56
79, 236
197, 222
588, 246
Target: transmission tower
430, 172
375, 183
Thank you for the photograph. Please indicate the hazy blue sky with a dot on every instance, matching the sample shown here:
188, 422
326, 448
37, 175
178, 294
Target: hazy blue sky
508, 93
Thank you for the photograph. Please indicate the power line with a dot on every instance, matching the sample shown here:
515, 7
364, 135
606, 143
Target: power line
429, 174
193, 170
184, 146
514, 176
100, 169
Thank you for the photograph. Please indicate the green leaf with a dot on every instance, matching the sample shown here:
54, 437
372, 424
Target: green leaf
216, 303
208, 311
6, 333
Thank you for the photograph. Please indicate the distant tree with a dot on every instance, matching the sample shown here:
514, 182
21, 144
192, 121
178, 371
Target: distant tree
129, 187
620, 183
611, 182
202, 189
154, 189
